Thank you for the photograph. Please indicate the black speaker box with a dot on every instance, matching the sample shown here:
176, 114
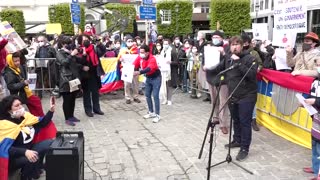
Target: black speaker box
65, 158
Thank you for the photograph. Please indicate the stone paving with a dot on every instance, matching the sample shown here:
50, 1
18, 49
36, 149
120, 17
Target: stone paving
123, 145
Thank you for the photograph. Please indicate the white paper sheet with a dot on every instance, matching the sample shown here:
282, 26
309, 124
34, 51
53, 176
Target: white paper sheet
162, 63
311, 110
127, 73
211, 57
32, 78
129, 58
281, 59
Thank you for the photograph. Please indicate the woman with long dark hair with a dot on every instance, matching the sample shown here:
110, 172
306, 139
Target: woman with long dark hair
69, 66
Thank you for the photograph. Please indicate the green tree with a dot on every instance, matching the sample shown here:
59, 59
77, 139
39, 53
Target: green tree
232, 15
181, 17
60, 13
125, 10
16, 18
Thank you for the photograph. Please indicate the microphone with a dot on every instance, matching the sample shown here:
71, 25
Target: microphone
229, 68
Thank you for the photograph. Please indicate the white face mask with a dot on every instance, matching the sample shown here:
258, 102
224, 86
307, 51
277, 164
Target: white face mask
194, 50
138, 42
142, 56
129, 44
186, 45
41, 44
117, 45
318, 69
165, 46
18, 113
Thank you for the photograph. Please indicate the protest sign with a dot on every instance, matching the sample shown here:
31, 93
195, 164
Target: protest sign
15, 43
290, 15
260, 31
32, 78
53, 28
128, 58
127, 73
281, 59
211, 56
284, 38
162, 63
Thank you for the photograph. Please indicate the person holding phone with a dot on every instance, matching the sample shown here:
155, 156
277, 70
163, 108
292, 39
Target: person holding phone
21, 126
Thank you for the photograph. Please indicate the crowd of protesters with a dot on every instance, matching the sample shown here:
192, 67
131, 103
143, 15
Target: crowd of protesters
77, 59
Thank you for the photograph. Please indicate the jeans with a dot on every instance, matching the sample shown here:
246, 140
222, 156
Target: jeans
315, 156
241, 114
185, 79
153, 86
28, 168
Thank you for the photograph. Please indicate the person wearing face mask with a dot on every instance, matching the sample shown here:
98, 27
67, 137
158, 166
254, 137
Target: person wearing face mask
193, 69
177, 56
130, 49
166, 88
90, 79
214, 80
22, 128
147, 64
117, 47
44, 51
242, 103
304, 60
69, 67
158, 48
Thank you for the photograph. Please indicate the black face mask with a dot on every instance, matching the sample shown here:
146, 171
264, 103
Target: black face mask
245, 47
69, 47
306, 47
86, 43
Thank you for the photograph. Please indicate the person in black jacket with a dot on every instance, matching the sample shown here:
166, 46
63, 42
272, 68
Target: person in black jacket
177, 55
23, 153
69, 66
244, 98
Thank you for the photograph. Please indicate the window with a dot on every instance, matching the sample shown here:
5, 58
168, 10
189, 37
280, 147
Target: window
165, 16
266, 4
252, 7
205, 7
261, 4
272, 5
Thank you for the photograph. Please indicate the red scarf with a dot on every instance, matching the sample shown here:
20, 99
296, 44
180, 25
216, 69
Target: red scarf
92, 55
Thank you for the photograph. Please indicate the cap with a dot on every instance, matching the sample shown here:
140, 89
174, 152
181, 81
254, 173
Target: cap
218, 33
313, 36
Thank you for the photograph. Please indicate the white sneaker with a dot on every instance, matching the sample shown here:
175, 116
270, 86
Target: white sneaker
169, 103
149, 115
199, 95
164, 102
156, 119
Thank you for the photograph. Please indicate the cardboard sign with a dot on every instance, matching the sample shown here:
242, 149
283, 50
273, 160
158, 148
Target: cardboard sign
15, 43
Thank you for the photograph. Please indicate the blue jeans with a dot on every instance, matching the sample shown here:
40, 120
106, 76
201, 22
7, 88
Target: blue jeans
241, 114
153, 86
315, 155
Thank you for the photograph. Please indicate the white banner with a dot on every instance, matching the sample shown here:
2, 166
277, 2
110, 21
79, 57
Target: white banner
290, 15
284, 38
260, 31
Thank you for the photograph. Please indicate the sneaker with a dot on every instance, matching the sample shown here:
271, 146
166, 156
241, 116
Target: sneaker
169, 103
70, 123
308, 170
149, 115
233, 144
74, 119
199, 95
164, 102
128, 101
254, 124
136, 100
242, 155
156, 119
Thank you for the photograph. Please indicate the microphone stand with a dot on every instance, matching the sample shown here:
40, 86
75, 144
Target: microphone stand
229, 158
211, 125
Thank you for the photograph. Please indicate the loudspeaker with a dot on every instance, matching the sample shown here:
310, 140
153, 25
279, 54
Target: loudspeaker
65, 158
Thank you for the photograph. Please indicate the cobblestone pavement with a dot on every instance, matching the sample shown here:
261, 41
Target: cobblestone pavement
123, 145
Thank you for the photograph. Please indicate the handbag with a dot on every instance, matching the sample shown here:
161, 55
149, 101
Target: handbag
74, 85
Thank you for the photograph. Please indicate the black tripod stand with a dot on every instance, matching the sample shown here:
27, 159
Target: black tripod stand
212, 125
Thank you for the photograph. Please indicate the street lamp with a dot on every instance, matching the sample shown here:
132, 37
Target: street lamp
257, 6
177, 11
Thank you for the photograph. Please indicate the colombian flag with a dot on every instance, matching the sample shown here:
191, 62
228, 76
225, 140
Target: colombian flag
8, 133
111, 81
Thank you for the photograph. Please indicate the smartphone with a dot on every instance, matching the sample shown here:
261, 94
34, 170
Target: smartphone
53, 100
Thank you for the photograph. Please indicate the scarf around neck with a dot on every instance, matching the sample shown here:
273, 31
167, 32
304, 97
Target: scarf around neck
92, 55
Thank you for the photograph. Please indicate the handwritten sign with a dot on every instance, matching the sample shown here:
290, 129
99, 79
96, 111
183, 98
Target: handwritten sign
260, 31
290, 15
284, 38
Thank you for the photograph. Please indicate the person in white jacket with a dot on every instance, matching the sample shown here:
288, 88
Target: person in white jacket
165, 57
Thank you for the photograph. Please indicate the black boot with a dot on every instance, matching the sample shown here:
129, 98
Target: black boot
254, 124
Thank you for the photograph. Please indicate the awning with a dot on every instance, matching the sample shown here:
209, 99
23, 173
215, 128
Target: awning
35, 29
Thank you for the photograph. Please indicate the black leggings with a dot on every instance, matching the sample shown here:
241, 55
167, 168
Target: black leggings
69, 102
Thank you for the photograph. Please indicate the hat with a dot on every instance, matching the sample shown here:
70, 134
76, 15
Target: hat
313, 36
218, 33
128, 36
